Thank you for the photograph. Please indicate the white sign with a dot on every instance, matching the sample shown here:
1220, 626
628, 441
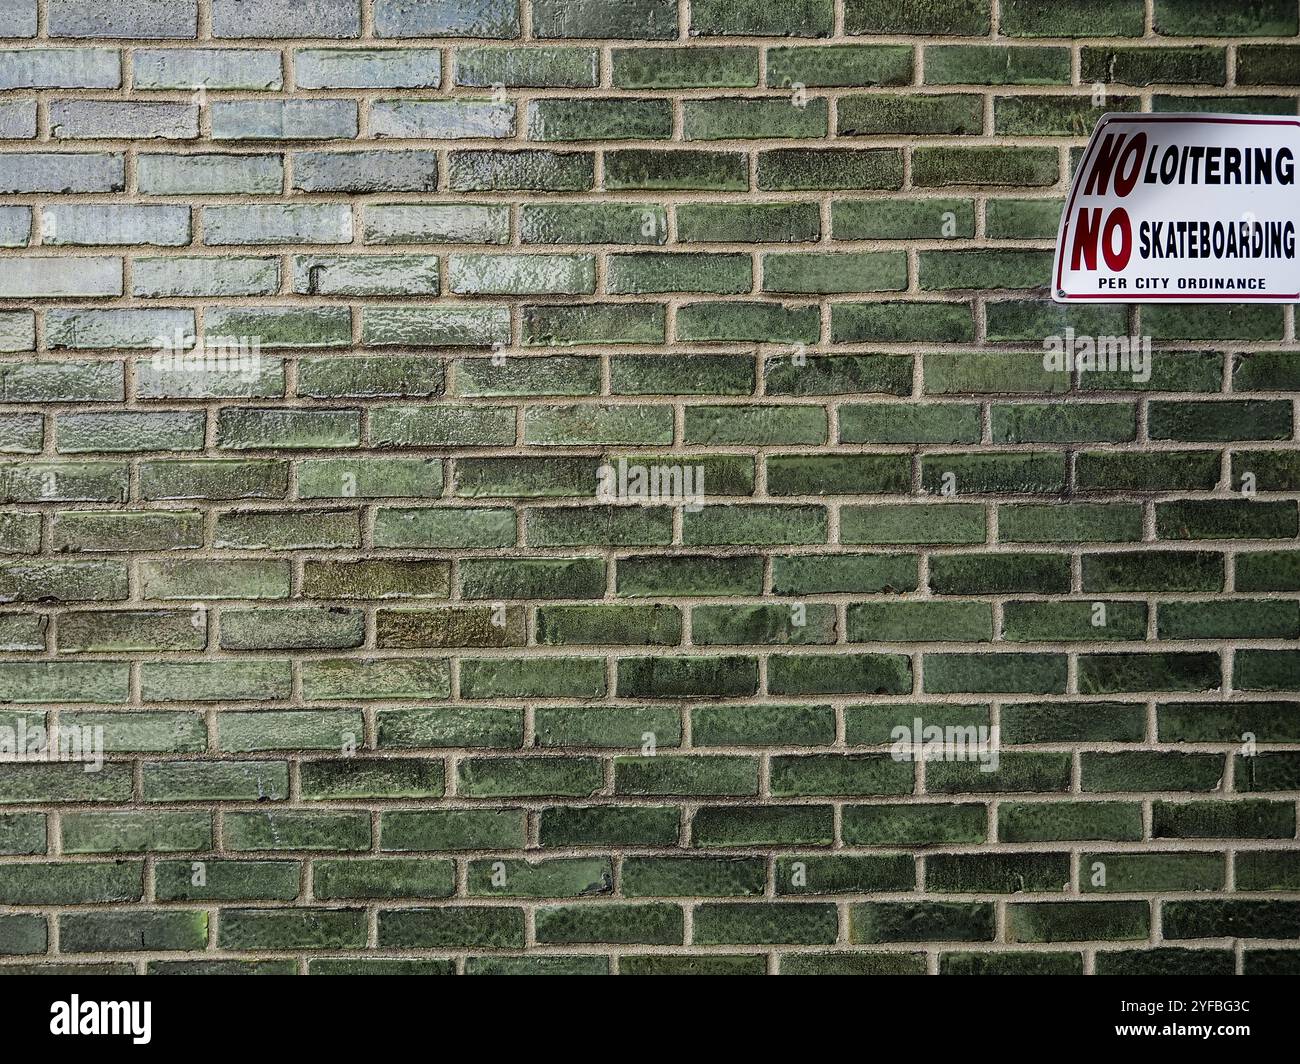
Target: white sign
1183, 209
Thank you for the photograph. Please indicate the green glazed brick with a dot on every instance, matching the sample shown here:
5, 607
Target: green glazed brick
819, 874
1015, 772
720, 877
522, 275
1195, 65
750, 223
840, 673
1268, 772
1192, 18
773, 825
592, 223
223, 880
605, 826
765, 923
442, 426
836, 272
301, 730
23, 633
442, 119
485, 727
52, 783
963, 18
455, 626
1023, 219
905, 423
63, 681
258, 930
129, 832
1000, 963
755, 524
94, 530
72, 883
1078, 921
22, 834
520, 171
688, 576
832, 775
989, 673
755, 425
987, 574
282, 530
856, 963
876, 725
1150, 872
1235, 919
1227, 520
591, 424
762, 625
163, 174
603, 625
385, 877
1027, 472
1113, 673
296, 830
617, 19
369, 478
643, 727
196, 781
842, 375
1244, 619
340, 68
685, 677
1138, 770
902, 322
1044, 116
901, 115
375, 678
983, 64
126, 630
1266, 670
1273, 470
535, 678
536, 965
579, 578
197, 579
696, 67
802, 18
451, 829
56, 581
607, 323
1266, 64
1034, 622
659, 924
936, 167
1154, 571
1048, 722
459, 527
36, 482
928, 523
1164, 962
1266, 870
436, 223
1202, 722
838, 66
452, 926
762, 725
1011, 873
1269, 962
1225, 323
919, 622
1069, 523
921, 921
1043, 423
565, 68
529, 777
545, 375
801, 169
885, 219
458, 326
1063, 821
1217, 819
1268, 571
655, 273
668, 776
248, 428
527, 478
940, 270
555, 878
140, 930
583, 120
1091, 18
379, 275
1153, 471
648, 168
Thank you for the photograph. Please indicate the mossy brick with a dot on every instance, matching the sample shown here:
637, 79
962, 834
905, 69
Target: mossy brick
559, 67
451, 829
649, 923
1078, 921
603, 625
841, 375
886, 525
296, 830
55, 581
709, 877
608, 825
1218, 819
125, 630
133, 931
750, 223
335, 679
448, 326
554, 878
838, 66
72, 883
452, 926
993, 574
896, 219
537, 578
214, 478
287, 530
1090, 18
652, 273
902, 322
153, 831
330, 729
385, 877
1065, 821
485, 678
198, 781
57, 783
1049, 622
921, 921
766, 826
197, 579
688, 575
1151, 872
919, 622
226, 880
940, 167
1043, 673
259, 930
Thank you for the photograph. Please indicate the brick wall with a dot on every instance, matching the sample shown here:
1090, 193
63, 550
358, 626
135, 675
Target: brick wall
392, 669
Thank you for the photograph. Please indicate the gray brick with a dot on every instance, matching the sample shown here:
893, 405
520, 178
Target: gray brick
447, 18
368, 68
100, 119
284, 119
160, 174
212, 68
115, 224
134, 19
278, 223
17, 119
51, 278
60, 68
286, 18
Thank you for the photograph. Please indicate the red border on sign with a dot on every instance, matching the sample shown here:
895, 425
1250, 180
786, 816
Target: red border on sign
1061, 242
